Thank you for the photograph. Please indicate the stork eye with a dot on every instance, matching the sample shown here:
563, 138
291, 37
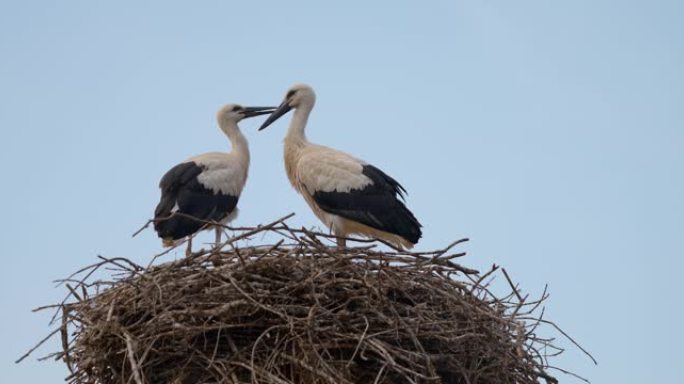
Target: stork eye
290, 94
236, 108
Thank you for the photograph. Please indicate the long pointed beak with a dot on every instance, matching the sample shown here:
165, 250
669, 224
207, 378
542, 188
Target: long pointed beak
256, 111
283, 108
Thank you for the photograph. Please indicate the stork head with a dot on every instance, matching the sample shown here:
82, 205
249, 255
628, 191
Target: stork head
232, 113
299, 95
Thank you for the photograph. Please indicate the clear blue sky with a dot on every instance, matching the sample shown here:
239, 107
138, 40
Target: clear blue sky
549, 132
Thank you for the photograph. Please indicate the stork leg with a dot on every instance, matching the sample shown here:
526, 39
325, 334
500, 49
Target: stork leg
188, 250
218, 234
341, 243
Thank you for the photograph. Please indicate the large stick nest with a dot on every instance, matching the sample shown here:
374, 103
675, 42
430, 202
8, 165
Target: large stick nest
298, 311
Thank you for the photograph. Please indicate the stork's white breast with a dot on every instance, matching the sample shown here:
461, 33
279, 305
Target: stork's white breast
223, 172
323, 169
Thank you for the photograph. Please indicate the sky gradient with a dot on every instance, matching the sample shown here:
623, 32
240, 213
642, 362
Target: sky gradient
550, 133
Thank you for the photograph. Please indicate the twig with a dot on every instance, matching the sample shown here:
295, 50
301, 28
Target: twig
513, 287
30, 351
147, 224
131, 359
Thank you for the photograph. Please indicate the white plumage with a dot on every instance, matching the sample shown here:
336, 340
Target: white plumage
224, 173
327, 170
347, 194
206, 188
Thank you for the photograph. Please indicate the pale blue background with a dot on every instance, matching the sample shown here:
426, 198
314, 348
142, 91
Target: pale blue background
549, 132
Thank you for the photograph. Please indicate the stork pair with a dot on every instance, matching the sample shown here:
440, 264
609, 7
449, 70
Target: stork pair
347, 194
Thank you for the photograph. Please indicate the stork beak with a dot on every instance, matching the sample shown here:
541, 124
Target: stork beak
283, 108
256, 111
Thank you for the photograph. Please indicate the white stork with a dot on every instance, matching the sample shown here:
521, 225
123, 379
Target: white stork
347, 194
206, 188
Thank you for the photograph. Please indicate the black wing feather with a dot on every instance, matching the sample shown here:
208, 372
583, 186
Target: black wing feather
377, 205
196, 204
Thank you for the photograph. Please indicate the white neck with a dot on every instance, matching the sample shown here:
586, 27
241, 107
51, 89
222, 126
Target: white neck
295, 141
237, 140
295, 133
